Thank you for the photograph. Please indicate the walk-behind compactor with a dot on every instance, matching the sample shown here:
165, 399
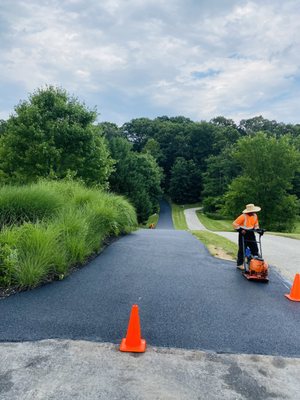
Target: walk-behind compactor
256, 268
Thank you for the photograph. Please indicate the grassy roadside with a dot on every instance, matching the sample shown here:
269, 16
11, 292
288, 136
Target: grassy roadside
178, 214
51, 227
226, 225
288, 235
215, 224
178, 217
153, 219
217, 245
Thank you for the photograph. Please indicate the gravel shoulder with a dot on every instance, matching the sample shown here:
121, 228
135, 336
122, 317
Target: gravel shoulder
65, 370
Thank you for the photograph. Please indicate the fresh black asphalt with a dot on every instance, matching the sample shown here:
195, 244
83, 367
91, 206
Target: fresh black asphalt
165, 216
187, 299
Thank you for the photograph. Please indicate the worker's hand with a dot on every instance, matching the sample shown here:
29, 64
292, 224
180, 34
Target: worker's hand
243, 232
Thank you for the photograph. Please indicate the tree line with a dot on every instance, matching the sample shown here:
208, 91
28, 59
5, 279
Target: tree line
220, 163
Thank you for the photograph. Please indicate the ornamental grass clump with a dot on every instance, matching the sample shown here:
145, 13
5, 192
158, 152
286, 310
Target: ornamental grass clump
58, 227
32, 203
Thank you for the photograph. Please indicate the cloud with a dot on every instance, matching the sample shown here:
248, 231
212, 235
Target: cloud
136, 58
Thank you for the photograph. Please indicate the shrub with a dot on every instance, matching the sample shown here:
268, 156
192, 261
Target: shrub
19, 204
44, 248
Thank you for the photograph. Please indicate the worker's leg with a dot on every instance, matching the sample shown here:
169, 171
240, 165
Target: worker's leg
240, 255
250, 241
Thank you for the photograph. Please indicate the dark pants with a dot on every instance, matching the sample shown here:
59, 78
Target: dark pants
250, 241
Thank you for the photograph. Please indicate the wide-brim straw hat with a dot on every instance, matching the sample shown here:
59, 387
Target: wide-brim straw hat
250, 208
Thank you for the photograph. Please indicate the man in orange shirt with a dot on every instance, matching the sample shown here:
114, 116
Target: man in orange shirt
246, 221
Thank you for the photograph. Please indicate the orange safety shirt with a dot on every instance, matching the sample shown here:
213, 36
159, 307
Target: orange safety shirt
246, 221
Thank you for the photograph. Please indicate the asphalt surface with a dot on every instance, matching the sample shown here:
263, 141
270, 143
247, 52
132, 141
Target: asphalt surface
165, 216
187, 299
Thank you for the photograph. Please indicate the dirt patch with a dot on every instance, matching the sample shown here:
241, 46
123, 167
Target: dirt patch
219, 253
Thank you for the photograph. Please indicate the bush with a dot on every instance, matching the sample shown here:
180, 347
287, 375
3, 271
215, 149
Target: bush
212, 204
217, 216
19, 204
46, 248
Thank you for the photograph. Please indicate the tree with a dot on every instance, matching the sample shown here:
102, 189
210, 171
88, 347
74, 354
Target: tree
259, 124
185, 183
153, 147
2, 126
138, 131
136, 176
221, 169
267, 169
110, 130
52, 134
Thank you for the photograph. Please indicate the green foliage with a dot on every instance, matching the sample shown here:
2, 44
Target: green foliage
110, 130
52, 134
137, 176
19, 204
215, 222
185, 183
267, 169
167, 139
178, 217
220, 170
138, 131
38, 251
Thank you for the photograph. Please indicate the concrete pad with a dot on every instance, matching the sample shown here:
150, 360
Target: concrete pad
64, 369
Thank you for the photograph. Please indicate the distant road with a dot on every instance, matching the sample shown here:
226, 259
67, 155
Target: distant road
165, 216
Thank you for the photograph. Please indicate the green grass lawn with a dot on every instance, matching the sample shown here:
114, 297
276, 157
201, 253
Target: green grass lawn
178, 217
215, 224
153, 219
217, 245
226, 225
293, 235
178, 214
288, 235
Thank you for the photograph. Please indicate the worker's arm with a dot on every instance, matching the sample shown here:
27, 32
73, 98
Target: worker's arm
239, 222
256, 225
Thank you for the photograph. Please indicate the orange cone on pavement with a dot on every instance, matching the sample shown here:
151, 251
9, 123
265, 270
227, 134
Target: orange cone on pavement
133, 342
294, 294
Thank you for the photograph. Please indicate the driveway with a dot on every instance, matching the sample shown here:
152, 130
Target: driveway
193, 309
188, 299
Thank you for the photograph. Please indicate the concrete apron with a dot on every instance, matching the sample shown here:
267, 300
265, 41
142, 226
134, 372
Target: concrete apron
64, 369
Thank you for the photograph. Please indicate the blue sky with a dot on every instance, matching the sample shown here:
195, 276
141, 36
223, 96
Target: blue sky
145, 58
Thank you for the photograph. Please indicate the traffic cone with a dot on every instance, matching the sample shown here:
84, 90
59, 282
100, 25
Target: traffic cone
133, 342
294, 294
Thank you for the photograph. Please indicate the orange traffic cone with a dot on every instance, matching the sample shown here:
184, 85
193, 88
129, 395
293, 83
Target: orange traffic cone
295, 290
133, 342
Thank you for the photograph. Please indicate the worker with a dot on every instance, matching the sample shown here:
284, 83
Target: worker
243, 224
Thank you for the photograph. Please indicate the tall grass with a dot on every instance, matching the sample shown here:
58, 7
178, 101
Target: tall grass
32, 203
69, 225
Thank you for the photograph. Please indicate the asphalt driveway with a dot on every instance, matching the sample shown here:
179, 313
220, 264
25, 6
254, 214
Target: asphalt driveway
187, 299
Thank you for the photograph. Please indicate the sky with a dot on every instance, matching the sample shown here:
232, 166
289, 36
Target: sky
148, 58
